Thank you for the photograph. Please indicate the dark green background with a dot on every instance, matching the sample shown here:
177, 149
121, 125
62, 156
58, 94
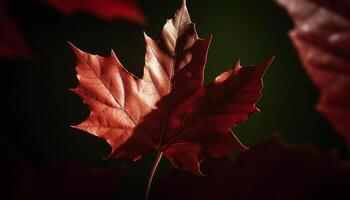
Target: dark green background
39, 109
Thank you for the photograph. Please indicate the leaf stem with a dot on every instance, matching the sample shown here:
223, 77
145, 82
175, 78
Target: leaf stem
150, 177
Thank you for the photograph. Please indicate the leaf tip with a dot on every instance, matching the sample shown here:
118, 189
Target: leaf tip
75, 126
264, 66
71, 44
112, 54
146, 36
183, 4
269, 61
238, 63
79, 127
75, 49
73, 90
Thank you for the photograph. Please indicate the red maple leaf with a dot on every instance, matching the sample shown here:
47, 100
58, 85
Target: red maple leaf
169, 110
322, 38
105, 9
12, 44
271, 170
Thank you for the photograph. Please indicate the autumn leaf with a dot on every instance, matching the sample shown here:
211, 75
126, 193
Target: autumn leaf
104, 9
271, 170
64, 181
169, 110
322, 38
12, 44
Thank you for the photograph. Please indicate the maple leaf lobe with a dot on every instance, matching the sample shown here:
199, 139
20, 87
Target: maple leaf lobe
169, 109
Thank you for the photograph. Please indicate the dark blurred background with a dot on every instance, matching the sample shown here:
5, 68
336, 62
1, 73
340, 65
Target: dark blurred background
39, 108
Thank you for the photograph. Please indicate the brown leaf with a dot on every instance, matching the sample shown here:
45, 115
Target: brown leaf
169, 110
322, 38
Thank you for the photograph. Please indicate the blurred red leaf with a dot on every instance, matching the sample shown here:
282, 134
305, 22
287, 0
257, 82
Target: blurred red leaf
104, 9
12, 44
65, 181
271, 170
169, 110
322, 38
